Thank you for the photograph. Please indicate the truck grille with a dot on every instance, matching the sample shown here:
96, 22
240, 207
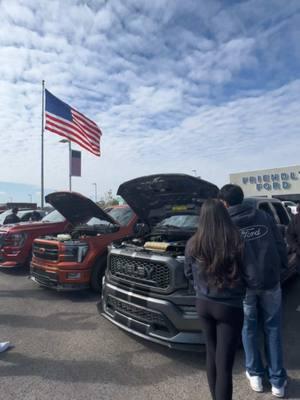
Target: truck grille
136, 312
2, 238
45, 251
142, 272
44, 277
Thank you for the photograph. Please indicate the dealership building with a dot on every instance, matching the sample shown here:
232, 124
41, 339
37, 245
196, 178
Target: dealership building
282, 183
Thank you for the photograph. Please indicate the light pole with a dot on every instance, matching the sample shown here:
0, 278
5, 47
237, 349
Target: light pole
70, 161
95, 184
30, 197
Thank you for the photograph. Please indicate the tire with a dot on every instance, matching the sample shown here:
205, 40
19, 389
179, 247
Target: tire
28, 261
98, 271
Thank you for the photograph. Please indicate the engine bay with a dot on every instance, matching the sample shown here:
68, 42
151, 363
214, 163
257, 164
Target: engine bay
84, 231
173, 243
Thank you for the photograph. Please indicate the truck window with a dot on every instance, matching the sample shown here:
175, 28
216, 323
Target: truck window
282, 214
266, 207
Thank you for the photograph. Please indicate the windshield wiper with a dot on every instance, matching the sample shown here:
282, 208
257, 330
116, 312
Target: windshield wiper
169, 226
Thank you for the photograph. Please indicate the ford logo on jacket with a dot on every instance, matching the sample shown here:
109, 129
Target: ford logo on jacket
254, 232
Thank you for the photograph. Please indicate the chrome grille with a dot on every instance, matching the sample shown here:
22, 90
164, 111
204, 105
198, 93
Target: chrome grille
141, 271
45, 251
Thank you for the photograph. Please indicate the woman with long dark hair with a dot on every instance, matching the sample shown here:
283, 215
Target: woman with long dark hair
213, 260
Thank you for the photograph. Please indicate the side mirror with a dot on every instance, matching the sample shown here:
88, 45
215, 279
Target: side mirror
141, 229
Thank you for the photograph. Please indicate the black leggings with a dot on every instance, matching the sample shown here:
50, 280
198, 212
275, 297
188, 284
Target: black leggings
222, 327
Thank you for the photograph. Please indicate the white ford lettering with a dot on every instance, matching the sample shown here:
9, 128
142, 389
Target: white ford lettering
254, 232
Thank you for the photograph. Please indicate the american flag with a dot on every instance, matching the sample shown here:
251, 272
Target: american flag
71, 124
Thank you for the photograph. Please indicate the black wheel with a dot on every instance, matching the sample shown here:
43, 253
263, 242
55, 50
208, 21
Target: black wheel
97, 274
28, 261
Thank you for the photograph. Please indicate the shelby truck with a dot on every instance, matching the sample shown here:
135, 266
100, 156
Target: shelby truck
145, 291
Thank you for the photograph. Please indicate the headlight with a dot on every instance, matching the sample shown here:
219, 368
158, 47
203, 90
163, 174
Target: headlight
180, 259
14, 240
75, 253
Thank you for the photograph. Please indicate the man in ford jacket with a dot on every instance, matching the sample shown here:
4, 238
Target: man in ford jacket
265, 257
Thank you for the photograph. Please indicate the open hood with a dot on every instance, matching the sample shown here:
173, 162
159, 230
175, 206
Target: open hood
156, 197
76, 208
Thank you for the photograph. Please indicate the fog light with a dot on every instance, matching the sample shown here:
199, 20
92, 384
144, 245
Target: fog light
73, 275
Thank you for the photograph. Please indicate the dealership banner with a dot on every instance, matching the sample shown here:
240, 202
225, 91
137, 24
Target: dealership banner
75, 163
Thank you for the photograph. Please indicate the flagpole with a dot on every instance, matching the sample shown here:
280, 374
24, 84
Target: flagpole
70, 166
42, 145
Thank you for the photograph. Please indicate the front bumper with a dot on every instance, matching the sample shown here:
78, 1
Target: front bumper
51, 279
9, 264
154, 319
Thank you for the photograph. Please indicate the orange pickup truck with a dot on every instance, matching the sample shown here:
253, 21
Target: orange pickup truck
77, 260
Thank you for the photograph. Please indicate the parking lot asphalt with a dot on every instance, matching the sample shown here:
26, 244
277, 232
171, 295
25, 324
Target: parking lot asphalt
63, 349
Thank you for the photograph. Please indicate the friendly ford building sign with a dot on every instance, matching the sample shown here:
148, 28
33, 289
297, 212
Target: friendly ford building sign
277, 182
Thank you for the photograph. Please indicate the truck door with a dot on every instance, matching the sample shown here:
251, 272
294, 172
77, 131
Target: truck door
268, 208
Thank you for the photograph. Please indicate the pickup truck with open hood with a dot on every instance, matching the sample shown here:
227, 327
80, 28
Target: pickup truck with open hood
145, 291
77, 260
16, 239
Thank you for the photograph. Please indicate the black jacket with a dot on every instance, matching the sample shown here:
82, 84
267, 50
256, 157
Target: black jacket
266, 253
194, 271
11, 219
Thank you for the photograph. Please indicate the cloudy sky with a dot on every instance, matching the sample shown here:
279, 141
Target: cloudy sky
176, 86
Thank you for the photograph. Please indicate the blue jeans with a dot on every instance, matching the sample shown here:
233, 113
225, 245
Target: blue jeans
264, 304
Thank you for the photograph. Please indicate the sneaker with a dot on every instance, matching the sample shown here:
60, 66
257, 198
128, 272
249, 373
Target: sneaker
279, 392
4, 346
255, 382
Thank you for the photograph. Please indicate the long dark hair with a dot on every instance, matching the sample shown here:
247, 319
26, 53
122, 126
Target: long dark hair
218, 244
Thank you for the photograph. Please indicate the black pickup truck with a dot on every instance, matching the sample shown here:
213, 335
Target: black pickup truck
145, 291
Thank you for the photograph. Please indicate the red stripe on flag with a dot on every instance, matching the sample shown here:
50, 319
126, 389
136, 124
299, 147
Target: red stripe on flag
86, 120
72, 130
80, 130
71, 125
72, 133
88, 130
73, 139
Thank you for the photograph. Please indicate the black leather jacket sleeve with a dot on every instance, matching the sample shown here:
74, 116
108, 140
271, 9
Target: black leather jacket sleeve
280, 243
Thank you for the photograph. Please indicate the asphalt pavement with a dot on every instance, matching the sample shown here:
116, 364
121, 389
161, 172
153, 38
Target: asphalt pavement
63, 349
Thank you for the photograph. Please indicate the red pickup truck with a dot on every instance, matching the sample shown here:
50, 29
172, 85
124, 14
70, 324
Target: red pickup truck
16, 239
78, 260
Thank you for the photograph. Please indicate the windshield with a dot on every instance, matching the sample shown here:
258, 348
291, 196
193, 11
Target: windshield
289, 203
122, 215
180, 221
53, 216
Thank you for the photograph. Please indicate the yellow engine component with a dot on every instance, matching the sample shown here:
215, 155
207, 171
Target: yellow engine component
159, 246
